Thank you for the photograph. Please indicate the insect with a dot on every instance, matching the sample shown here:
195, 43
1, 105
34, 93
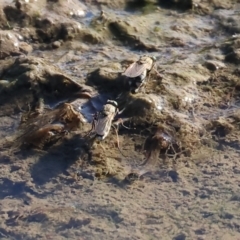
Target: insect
102, 121
137, 72
160, 140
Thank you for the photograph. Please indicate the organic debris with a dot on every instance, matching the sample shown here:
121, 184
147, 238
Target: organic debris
48, 127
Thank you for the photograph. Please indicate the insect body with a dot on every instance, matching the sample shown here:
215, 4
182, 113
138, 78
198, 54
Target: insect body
137, 72
103, 120
159, 141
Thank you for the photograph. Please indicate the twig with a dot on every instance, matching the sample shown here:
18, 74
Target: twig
118, 141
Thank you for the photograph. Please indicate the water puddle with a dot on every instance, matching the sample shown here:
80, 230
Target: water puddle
186, 125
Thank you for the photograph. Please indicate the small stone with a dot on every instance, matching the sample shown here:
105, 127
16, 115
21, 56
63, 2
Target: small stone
200, 231
235, 197
56, 44
173, 175
25, 48
4, 83
180, 236
214, 65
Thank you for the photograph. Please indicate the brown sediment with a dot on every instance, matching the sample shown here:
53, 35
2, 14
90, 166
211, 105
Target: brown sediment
60, 61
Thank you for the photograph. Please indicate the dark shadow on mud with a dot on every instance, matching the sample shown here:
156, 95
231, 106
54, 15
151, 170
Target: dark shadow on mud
135, 5
224, 143
24, 99
14, 189
19, 189
12, 102
131, 41
105, 79
178, 5
4, 234
73, 224
149, 6
163, 175
57, 160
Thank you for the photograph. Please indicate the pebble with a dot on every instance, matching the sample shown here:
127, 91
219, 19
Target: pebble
56, 44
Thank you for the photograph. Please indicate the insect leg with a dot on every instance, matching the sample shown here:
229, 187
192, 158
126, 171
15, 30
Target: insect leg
90, 141
92, 128
120, 112
158, 73
121, 121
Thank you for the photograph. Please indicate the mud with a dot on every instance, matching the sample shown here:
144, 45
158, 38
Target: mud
172, 171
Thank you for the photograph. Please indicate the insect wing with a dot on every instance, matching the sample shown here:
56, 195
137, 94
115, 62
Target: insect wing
135, 70
103, 125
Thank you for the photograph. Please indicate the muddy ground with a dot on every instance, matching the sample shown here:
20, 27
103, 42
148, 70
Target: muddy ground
74, 52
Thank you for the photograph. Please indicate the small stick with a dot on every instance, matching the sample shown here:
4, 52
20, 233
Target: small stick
118, 141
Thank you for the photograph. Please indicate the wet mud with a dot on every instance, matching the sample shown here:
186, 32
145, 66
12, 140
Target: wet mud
168, 168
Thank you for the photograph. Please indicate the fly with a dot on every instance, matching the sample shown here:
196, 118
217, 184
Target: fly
137, 72
103, 121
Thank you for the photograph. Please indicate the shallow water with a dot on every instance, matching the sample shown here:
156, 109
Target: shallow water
56, 193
